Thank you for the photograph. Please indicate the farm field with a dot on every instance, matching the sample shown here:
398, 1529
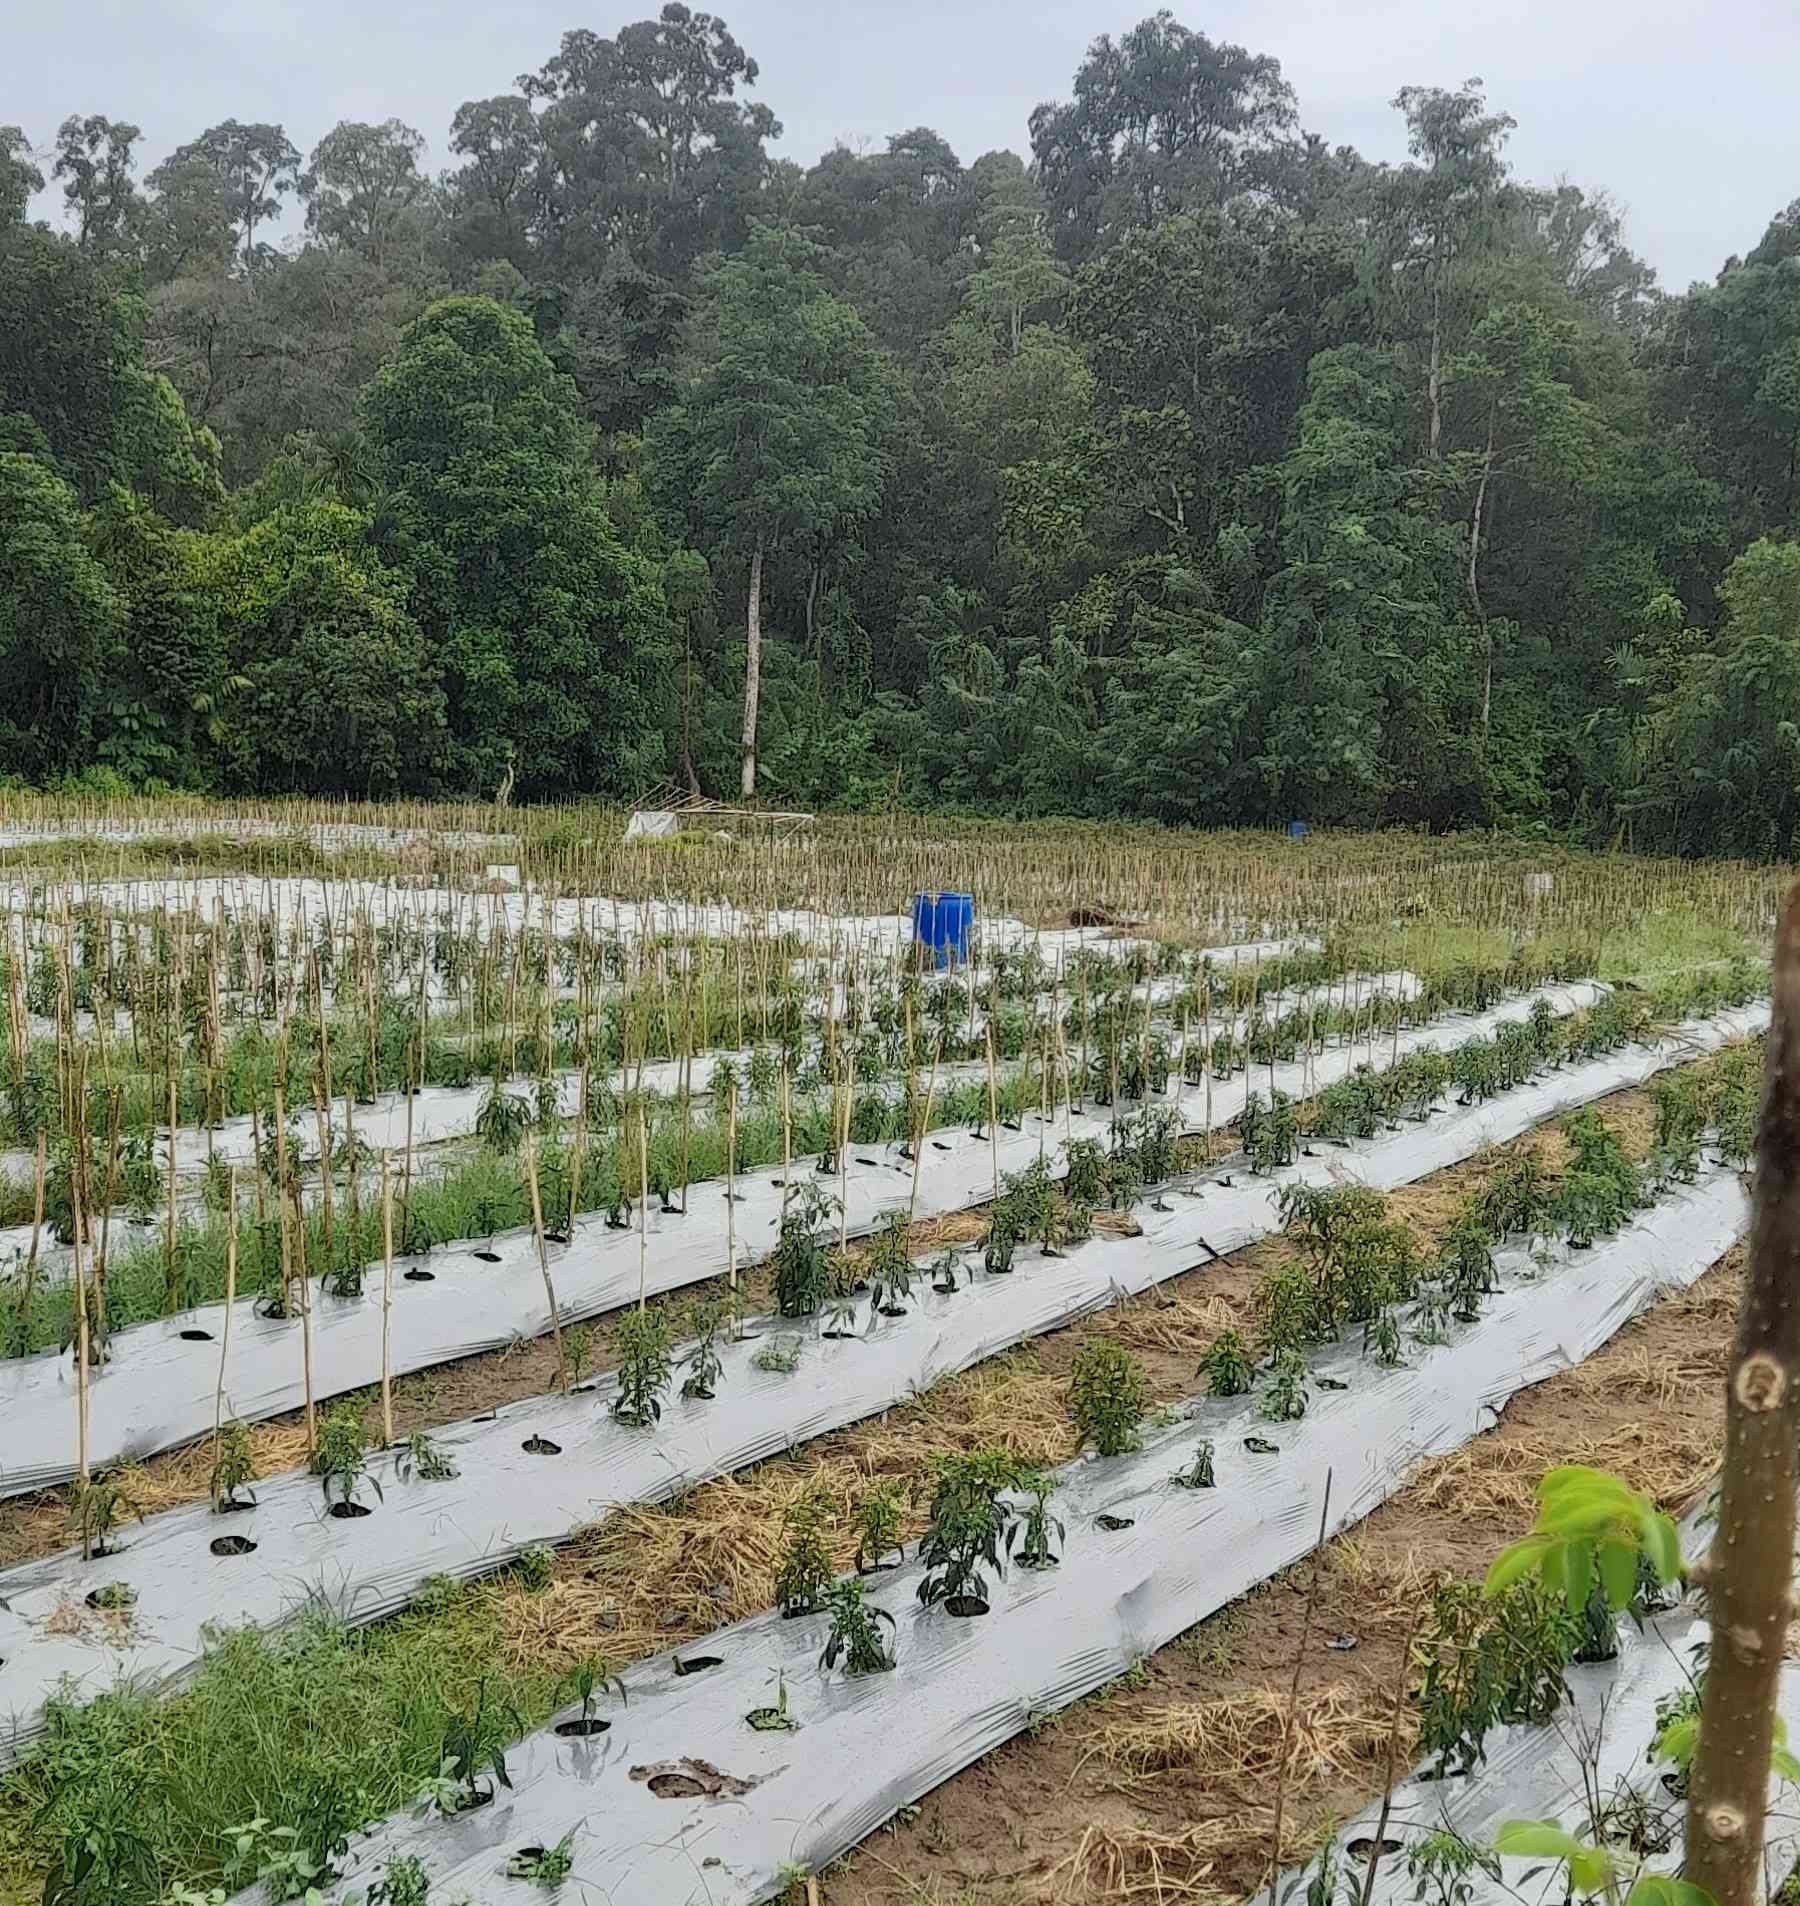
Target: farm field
541, 1365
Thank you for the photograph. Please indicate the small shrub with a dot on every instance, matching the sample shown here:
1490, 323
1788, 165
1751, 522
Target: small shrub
641, 1342
233, 1470
702, 1362
419, 1456
880, 1520
536, 1567
1225, 1364
545, 1866
1107, 1395
1284, 1398
972, 1527
806, 1571
855, 1637
340, 1457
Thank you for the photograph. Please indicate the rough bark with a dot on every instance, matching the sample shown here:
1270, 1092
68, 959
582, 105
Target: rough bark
1749, 1571
752, 666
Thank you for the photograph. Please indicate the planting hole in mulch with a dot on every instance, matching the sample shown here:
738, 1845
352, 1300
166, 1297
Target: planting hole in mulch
420, 1277
540, 1446
232, 1545
348, 1511
1112, 1524
113, 1597
965, 1607
690, 1779
580, 1729
196, 1336
698, 1664
868, 1161
488, 1257
893, 1310
1367, 1848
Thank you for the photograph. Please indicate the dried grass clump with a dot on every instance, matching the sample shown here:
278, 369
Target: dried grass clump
1337, 1731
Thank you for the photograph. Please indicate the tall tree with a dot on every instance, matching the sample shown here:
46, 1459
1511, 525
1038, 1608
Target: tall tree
550, 629
257, 166
361, 183
94, 162
1163, 120
19, 178
58, 619
493, 196
779, 434
646, 144
1434, 219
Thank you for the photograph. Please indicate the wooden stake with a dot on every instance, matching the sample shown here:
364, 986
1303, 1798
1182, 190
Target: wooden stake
643, 1202
387, 1300
543, 1254
231, 1269
731, 1260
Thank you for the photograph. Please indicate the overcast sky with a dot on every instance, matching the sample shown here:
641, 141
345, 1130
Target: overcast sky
1683, 110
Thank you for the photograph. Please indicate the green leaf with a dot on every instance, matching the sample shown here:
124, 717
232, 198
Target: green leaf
1542, 1839
1618, 1572
1657, 1889
1514, 1562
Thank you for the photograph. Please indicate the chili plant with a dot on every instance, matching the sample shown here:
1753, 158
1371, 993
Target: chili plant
641, 1340
1226, 1366
879, 1519
1107, 1395
702, 1363
806, 1572
340, 1460
234, 1469
855, 1637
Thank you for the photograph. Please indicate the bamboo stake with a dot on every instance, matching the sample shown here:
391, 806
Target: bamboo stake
37, 1227
387, 1300
731, 1257
231, 1269
543, 1254
643, 1203
172, 1287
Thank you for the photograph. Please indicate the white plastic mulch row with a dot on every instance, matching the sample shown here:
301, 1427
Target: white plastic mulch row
681, 1801
1598, 1744
511, 1491
316, 902
441, 1112
159, 1388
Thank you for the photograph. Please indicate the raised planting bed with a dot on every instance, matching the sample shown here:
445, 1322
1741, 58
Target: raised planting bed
683, 1797
506, 1497
160, 1387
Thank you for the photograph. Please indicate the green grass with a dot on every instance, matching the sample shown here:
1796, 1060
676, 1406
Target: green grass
266, 1726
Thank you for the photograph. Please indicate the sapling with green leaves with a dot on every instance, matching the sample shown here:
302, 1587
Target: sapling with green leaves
855, 1637
545, 1866
588, 1682
503, 1120
888, 1266
702, 1363
340, 1460
799, 1264
420, 1457
806, 1571
1226, 1365
646, 1365
233, 1470
879, 1519
1040, 1526
96, 1506
473, 1745
1284, 1395
1107, 1395
972, 1527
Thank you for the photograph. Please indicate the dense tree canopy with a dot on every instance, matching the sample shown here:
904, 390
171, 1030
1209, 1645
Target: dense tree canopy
1179, 466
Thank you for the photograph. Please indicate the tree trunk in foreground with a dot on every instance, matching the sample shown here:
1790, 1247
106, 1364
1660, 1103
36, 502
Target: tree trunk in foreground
752, 665
1749, 1570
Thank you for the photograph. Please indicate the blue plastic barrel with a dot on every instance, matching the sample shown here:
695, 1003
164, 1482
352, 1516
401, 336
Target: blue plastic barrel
941, 924
1296, 830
